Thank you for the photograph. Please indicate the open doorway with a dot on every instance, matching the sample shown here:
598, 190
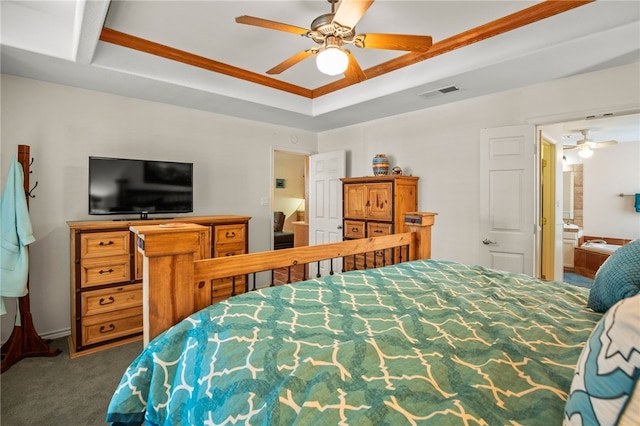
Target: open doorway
588, 188
289, 201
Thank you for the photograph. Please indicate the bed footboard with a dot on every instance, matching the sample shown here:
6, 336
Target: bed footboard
178, 282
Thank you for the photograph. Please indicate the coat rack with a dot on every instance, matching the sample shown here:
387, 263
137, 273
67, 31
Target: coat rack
25, 341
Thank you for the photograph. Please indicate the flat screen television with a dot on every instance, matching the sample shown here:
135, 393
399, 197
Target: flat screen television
129, 186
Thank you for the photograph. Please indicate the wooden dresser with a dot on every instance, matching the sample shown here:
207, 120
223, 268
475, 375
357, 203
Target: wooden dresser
375, 206
107, 269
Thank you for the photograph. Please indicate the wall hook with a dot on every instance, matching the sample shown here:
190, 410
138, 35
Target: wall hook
31, 190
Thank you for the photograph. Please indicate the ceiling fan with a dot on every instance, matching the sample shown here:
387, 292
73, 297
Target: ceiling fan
332, 31
587, 145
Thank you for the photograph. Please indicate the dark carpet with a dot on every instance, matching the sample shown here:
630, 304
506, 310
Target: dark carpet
63, 391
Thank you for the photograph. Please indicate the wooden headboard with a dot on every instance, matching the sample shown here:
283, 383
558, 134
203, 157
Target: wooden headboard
178, 279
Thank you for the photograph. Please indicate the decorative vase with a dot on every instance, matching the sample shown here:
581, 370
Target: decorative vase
380, 165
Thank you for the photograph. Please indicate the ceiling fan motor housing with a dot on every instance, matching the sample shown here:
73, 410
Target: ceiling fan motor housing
322, 24
323, 27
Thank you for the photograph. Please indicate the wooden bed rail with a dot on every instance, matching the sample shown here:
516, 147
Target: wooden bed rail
178, 276
209, 269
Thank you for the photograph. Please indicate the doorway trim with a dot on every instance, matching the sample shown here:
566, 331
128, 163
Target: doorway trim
548, 208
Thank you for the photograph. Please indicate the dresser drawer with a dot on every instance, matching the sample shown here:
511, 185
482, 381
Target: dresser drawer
378, 229
99, 271
223, 289
354, 229
112, 325
229, 234
229, 250
99, 244
111, 299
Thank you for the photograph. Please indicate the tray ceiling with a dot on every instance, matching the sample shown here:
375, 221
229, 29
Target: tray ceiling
194, 54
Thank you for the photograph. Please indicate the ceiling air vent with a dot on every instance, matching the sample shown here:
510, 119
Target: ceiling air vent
438, 92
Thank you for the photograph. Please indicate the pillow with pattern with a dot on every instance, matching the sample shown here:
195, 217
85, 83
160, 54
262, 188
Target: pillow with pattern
617, 278
608, 369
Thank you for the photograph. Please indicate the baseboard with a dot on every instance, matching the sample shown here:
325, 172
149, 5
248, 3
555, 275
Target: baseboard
56, 334
49, 336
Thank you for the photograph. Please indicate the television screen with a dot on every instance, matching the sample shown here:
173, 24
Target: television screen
126, 186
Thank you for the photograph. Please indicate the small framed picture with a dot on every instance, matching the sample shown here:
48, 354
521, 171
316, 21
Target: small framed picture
279, 183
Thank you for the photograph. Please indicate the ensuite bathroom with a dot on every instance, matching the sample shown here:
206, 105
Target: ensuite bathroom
601, 207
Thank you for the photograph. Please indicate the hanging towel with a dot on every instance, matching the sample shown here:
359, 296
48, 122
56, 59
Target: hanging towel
15, 234
638, 203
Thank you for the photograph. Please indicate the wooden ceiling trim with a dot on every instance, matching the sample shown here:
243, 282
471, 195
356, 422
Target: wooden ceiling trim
540, 11
499, 26
112, 36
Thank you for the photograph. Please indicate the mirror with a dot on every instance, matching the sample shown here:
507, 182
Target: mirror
567, 191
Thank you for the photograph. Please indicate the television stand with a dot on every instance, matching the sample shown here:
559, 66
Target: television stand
128, 219
144, 215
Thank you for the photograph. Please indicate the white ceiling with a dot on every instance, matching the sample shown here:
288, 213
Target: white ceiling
58, 41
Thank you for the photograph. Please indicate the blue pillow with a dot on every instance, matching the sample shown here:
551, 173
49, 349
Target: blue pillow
608, 369
617, 278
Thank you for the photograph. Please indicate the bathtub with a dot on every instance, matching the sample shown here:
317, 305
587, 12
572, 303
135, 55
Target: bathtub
591, 255
600, 247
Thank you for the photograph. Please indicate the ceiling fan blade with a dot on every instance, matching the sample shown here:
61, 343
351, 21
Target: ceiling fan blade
603, 144
569, 146
353, 72
350, 11
288, 63
273, 25
406, 42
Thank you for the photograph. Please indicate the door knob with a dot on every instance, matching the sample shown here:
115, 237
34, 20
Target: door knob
339, 227
487, 241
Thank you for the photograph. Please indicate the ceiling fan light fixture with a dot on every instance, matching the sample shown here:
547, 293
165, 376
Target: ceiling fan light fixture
332, 61
585, 152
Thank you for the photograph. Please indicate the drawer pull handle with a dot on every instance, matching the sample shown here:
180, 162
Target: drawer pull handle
109, 301
107, 329
230, 234
105, 272
102, 243
231, 253
378, 231
354, 229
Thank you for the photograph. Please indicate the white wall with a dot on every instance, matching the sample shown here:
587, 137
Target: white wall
64, 126
441, 145
611, 171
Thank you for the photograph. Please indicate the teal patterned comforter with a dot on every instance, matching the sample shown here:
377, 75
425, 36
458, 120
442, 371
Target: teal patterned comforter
423, 342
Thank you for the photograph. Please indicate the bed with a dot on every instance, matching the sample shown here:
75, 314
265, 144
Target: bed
416, 342
419, 342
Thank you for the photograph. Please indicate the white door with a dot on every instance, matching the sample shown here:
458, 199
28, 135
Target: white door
507, 195
325, 203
